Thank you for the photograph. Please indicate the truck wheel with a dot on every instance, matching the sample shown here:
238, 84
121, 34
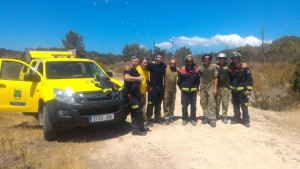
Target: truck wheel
49, 129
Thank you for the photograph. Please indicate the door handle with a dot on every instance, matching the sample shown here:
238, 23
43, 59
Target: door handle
2, 86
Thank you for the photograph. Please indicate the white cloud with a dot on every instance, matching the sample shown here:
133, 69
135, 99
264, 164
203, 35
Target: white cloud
164, 45
232, 40
142, 46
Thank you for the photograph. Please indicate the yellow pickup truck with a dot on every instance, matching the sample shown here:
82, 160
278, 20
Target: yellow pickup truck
62, 91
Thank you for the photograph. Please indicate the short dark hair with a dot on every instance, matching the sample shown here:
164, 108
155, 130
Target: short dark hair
134, 57
144, 58
141, 60
159, 54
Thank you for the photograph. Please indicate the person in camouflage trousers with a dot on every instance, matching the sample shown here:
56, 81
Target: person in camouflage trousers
208, 89
222, 97
170, 91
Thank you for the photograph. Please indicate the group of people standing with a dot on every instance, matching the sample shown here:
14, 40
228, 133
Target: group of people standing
213, 82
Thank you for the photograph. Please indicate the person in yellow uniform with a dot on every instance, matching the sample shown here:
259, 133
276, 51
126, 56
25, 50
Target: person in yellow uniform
142, 70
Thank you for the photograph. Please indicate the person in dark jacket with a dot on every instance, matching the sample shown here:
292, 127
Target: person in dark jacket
188, 82
241, 84
132, 80
156, 89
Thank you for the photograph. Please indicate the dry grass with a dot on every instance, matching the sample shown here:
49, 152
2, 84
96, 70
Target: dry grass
272, 86
269, 76
22, 146
117, 68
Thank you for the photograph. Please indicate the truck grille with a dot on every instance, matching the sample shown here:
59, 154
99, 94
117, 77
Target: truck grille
93, 97
99, 111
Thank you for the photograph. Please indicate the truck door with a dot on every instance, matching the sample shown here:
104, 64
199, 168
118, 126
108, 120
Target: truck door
18, 94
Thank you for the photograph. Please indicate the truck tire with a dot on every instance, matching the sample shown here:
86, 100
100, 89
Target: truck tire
49, 129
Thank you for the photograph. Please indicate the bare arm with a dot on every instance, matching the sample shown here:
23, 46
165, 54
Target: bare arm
127, 77
215, 90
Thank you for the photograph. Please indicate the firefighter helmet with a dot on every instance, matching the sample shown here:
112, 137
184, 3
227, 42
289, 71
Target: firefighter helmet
207, 56
189, 57
236, 55
221, 55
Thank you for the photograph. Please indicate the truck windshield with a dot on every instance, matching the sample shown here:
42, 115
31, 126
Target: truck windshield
71, 70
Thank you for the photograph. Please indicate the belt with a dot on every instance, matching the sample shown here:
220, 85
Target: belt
238, 88
188, 89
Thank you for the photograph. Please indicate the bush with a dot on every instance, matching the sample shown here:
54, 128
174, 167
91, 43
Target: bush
272, 86
296, 79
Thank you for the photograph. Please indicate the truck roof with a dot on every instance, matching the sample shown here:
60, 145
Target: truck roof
50, 54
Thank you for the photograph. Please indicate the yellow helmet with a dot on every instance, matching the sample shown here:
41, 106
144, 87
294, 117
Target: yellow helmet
189, 57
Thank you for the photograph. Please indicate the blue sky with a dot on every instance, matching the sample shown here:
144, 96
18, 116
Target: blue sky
108, 25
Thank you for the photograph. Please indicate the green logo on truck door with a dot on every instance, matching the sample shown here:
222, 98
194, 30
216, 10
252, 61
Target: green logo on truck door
17, 93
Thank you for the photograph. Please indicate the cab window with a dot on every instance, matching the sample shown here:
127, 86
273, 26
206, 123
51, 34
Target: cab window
11, 70
71, 70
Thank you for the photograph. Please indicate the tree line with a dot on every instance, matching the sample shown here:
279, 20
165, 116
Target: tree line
286, 49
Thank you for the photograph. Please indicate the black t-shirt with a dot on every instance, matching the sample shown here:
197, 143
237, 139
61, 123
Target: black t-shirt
132, 87
157, 72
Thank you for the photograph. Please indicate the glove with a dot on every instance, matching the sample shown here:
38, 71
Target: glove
248, 93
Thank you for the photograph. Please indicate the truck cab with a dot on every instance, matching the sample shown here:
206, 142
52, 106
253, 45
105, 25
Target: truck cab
61, 90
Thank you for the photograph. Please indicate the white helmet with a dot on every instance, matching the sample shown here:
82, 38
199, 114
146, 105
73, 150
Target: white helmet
222, 55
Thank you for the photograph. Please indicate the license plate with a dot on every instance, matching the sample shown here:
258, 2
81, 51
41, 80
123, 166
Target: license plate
104, 117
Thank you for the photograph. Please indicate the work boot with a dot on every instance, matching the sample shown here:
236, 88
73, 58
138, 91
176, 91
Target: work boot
167, 122
150, 122
184, 122
225, 120
138, 133
246, 124
193, 122
234, 121
171, 120
146, 126
213, 123
158, 120
205, 121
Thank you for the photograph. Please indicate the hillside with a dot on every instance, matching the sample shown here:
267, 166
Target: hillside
10, 53
286, 48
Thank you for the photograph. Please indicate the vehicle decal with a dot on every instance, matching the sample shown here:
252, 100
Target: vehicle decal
17, 103
17, 93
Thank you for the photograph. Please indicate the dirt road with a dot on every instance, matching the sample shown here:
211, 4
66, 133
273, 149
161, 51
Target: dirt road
265, 145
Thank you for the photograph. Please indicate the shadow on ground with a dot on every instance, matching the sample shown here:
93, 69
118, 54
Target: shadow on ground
93, 133
28, 125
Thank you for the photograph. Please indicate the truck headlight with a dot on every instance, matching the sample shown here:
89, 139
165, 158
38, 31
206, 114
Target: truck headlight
64, 95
